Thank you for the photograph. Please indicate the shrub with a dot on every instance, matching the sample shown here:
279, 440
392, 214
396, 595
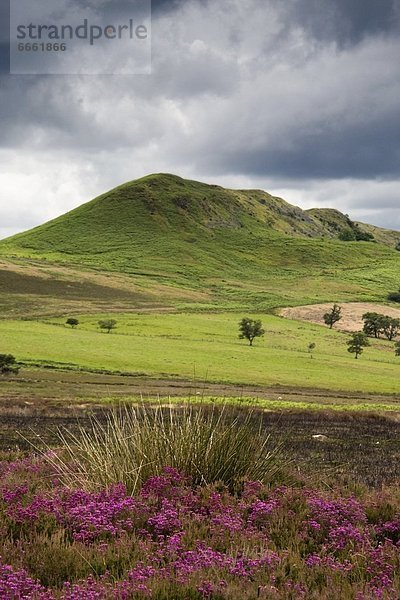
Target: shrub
8, 364
72, 322
132, 444
394, 296
108, 324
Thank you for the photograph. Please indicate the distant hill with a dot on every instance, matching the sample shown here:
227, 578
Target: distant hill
245, 246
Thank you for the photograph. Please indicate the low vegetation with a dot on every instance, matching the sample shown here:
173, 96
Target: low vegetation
72, 322
108, 324
8, 364
131, 444
394, 296
175, 539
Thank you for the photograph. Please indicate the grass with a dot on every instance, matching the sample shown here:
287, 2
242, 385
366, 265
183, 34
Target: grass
205, 347
225, 249
129, 444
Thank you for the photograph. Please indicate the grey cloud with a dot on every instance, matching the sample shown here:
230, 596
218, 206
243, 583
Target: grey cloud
345, 21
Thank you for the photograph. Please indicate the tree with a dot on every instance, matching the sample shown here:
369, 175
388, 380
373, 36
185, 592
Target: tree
376, 325
357, 343
8, 364
108, 324
333, 316
72, 322
373, 324
250, 329
391, 327
311, 348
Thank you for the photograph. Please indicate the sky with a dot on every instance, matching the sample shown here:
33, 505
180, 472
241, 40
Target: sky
300, 98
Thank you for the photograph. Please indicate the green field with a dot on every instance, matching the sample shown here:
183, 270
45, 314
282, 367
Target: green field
206, 347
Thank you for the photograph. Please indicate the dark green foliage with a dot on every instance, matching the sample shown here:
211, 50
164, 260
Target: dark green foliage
333, 316
347, 235
357, 343
250, 329
394, 296
311, 348
397, 348
373, 324
352, 232
72, 322
108, 324
8, 364
376, 325
390, 327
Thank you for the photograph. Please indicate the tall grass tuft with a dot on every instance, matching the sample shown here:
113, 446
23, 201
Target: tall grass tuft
131, 444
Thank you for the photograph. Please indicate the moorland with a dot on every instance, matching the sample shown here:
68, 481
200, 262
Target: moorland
177, 264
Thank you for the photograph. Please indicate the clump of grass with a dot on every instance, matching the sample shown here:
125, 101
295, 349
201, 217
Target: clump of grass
130, 444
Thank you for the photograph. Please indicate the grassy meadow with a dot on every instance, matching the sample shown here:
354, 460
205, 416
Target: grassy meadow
205, 347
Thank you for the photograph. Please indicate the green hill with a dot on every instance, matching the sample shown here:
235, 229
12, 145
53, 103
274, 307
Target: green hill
239, 248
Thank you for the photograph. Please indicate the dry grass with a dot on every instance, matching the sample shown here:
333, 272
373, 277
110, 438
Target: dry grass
130, 444
352, 313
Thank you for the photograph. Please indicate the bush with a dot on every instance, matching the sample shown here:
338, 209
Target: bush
8, 364
72, 322
132, 444
394, 296
108, 324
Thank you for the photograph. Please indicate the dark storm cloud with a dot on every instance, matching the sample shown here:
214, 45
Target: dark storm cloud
345, 21
331, 152
4, 38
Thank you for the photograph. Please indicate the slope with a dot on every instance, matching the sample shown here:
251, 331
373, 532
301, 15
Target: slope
241, 248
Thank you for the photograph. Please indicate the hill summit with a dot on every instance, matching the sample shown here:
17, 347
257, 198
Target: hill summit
189, 234
157, 203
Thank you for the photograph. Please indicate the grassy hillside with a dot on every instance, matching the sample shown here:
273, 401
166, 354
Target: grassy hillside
229, 249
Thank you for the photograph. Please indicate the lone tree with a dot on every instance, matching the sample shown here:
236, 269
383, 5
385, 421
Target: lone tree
108, 324
311, 348
72, 322
250, 329
333, 316
8, 364
357, 343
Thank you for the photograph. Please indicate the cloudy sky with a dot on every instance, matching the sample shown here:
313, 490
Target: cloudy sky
297, 97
